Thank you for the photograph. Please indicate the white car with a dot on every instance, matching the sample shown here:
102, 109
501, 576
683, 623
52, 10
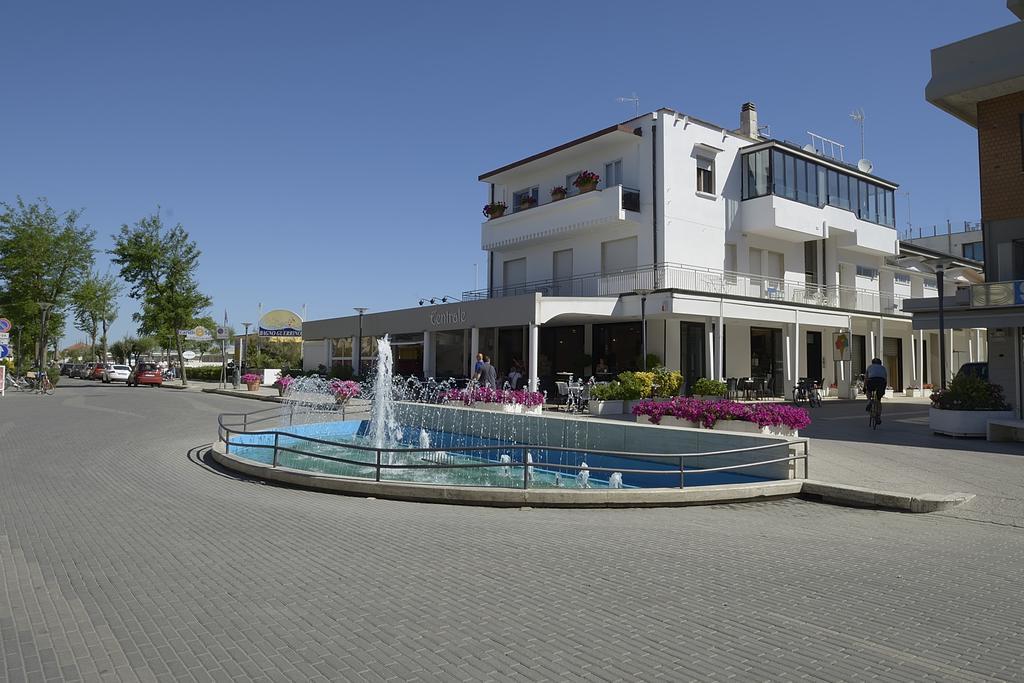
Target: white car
116, 373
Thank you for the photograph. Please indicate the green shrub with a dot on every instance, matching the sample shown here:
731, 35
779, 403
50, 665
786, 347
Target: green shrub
653, 361
709, 387
54, 375
612, 391
206, 374
636, 385
667, 382
968, 392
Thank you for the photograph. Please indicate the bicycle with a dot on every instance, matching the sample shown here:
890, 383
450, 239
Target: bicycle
15, 383
874, 411
807, 390
41, 384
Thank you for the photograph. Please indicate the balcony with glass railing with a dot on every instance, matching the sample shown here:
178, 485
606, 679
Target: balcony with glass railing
705, 281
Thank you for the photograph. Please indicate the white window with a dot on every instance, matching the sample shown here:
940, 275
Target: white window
571, 189
561, 269
618, 255
613, 173
525, 199
514, 272
865, 271
705, 175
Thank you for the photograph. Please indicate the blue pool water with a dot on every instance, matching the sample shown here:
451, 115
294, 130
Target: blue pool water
551, 468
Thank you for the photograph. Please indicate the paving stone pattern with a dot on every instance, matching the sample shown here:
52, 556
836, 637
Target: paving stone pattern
124, 556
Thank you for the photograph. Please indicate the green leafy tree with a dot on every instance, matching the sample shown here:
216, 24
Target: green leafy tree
159, 264
44, 256
120, 351
95, 307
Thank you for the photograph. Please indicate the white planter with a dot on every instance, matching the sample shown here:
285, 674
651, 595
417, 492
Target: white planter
965, 422
627, 406
507, 407
913, 393
613, 407
851, 393
723, 426
269, 376
752, 428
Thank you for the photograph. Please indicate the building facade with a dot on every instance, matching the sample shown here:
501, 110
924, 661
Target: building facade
742, 256
980, 80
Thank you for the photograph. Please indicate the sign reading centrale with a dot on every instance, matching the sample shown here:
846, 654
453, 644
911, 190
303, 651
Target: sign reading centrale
456, 317
280, 323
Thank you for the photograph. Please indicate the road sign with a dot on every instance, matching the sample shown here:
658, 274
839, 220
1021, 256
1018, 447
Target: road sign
221, 332
5, 337
188, 355
5, 351
5, 325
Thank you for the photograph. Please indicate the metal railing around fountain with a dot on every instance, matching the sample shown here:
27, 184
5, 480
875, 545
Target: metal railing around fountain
225, 431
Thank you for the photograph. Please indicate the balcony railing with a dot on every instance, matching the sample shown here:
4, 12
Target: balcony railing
705, 281
630, 201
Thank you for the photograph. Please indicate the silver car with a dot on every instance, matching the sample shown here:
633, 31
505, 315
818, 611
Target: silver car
116, 373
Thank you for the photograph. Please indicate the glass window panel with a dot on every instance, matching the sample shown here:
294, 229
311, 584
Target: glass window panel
844, 191
833, 188
872, 203
791, 177
778, 173
862, 199
747, 175
801, 180
761, 173
342, 348
891, 200
819, 184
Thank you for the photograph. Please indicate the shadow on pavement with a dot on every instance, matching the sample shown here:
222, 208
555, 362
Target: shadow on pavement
903, 424
200, 456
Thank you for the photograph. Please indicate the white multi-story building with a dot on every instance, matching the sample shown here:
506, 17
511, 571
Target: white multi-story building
744, 257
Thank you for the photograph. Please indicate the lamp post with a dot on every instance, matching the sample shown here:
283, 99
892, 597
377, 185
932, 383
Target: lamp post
643, 293
20, 327
243, 349
357, 352
44, 307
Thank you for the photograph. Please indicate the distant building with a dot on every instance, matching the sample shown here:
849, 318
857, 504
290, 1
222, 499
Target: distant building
980, 80
965, 242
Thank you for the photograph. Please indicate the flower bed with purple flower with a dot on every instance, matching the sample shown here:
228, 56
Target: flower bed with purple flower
521, 397
284, 382
707, 413
251, 378
345, 389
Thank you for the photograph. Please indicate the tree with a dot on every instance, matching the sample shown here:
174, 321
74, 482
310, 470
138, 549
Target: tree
120, 350
160, 265
44, 256
95, 307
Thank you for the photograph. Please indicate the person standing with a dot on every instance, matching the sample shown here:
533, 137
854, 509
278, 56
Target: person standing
478, 367
489, 374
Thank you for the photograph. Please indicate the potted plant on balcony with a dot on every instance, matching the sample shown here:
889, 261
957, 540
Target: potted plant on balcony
586, 181
965, 408
558, 193
527, 202
495, 210
252, 381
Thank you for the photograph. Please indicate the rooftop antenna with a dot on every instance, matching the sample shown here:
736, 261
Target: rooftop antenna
632, 98
858, 116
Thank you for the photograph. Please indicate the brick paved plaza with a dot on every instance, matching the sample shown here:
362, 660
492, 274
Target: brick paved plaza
124, 556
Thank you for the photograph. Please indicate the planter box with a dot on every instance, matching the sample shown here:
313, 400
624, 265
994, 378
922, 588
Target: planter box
269, 376
752, 428
914, 393
740, 426
613, 407
965, 422
503, 407
627, 406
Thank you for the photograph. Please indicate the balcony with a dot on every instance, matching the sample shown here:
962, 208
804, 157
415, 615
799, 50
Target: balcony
608, 208
705, 281
793, 221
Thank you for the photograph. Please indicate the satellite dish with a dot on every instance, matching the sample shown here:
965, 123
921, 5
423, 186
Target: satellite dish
809, 148
865, 166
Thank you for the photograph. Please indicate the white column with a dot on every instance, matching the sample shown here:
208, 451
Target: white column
710, 352
534, 352
474, 348
920, 360
797, 340
881, 339
970, 348
871, 344
788, 341
950, 370
428, 354
977, 344
720, 341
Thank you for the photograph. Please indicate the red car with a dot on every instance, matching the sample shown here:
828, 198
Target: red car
146, 373
96, 371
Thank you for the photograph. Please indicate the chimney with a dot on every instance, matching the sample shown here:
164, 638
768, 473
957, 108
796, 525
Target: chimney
748, 120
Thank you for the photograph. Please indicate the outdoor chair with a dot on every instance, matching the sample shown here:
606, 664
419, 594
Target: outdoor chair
563, 392
732, 389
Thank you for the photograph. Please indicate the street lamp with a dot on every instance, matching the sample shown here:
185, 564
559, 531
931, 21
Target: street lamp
643, 294
357, 352
44, 307
20, 327
940, 271
243, 349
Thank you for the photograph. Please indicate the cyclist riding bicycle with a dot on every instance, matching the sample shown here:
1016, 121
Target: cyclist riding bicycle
874, 386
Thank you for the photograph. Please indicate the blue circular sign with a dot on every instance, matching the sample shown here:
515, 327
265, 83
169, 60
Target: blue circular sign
5, 325
5, 351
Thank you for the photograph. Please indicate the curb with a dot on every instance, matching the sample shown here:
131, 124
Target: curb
857, 496
835, 494
237, 394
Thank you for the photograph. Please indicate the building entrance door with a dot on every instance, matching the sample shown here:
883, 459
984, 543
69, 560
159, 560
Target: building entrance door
766, 358
692, 354
814, 359
892, 359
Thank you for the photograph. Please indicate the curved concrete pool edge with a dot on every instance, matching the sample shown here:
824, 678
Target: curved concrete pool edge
592, 498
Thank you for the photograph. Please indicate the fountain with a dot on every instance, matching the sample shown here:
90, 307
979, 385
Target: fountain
615, 481
385, 431
583, 478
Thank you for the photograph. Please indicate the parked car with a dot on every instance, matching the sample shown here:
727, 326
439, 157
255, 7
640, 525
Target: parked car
145, 373
83, 373
96, 372
74, 369
979, 370
65, 369
116, 373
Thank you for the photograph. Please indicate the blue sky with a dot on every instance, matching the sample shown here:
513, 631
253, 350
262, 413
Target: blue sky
326, 153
